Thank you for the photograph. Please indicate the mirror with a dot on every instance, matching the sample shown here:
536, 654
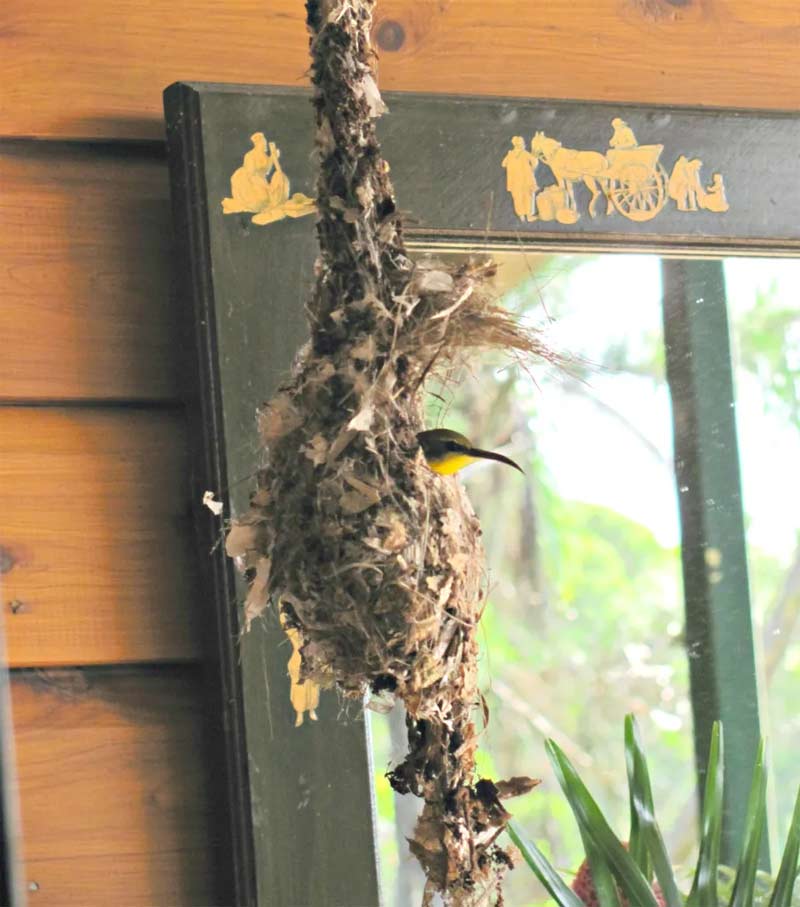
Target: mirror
584, 619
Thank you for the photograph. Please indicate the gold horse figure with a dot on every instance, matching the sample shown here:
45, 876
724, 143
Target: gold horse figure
569, 165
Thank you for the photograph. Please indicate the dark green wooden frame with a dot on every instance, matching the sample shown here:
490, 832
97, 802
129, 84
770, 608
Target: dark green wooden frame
298, 801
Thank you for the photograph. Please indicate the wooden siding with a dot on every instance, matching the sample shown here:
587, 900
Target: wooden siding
85, 239
94, 506
90, 69
114, 787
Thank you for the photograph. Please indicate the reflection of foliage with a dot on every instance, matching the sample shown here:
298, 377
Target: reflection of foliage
766, 334
769, 346
584, 612
641, 871
580, 596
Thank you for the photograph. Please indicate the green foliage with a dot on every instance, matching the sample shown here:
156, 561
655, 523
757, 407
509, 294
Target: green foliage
646, 843
704, 884
787, 874
555, 886
744, 885
584, 608
572, 592
627, 872
605, 851
768, 348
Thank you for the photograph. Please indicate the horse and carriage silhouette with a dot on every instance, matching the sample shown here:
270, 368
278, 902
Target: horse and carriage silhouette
632, 179
629, 176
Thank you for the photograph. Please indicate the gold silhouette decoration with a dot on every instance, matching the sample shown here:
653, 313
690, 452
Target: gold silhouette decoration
686, 188
623, 135
520, 166
628, 175
303, 694
261, 187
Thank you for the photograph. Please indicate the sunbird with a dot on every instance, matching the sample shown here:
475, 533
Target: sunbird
447, 452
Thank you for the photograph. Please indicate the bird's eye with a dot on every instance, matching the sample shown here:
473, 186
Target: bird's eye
452, 446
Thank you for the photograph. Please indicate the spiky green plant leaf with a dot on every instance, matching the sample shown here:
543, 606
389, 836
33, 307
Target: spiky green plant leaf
639, 797
594, 826
602, 874
616, 873
547, 875
643, 812
754, 827
787, 874
704, 886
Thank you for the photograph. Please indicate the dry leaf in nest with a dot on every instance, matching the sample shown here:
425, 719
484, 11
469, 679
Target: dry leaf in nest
516, 786
373, 96
247, 540
317, 450
258, 596
356, 502
365, 350
242, 538
343, 439
396, 536
278, 418
362, 421
434, 282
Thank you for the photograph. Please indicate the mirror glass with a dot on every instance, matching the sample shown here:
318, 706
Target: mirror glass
585, 612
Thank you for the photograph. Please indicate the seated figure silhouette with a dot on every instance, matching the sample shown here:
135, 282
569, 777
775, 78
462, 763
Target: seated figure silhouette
261, 187
713, 198
623, 136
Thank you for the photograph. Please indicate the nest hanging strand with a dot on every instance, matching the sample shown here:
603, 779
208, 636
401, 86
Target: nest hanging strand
375, 560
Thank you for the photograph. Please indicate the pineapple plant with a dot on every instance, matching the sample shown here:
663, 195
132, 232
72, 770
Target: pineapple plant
639, 873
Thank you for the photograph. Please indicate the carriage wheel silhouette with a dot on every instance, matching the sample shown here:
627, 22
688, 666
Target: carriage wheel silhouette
639, 192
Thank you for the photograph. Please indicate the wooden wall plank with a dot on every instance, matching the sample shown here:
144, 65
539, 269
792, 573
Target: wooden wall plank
95, 532
113, 786
91, 69
176, 879
86, 241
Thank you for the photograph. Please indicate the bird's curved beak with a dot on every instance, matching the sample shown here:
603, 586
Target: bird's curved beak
491, 455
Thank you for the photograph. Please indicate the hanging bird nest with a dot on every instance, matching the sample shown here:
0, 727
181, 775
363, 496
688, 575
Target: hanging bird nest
371, 557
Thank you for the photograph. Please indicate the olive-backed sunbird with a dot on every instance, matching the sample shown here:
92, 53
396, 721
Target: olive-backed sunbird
447, 452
